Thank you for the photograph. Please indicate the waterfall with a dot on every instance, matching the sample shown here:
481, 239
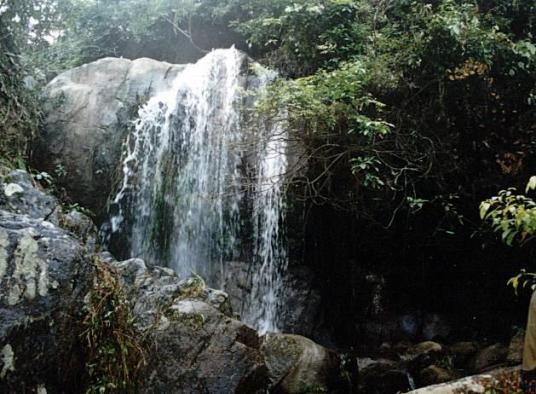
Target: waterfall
268, 213
184, 186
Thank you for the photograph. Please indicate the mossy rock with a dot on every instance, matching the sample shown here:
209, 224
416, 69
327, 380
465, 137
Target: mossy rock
298, 365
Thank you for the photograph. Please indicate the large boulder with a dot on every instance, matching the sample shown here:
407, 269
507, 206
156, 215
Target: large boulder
89, 109
44, 275
194, 344
298, 365
382, 376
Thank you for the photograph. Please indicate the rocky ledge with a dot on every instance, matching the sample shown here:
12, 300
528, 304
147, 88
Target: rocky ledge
191, 338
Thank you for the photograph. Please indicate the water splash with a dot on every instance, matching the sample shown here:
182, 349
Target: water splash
182, 197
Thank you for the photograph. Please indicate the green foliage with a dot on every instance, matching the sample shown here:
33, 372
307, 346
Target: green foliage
419, 100
19, 112
114, 353
298, 37
514, 217
194, 287
523, 279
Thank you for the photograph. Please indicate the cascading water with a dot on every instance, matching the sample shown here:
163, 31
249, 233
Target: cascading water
268, 213
182, 170
182, 197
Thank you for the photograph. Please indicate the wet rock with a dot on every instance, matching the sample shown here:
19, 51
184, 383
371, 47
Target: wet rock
300, 296
434, 374
462, 353
489, 357
195, 346
425, 354
237, 283
302, 300
382, 377
515, 349
44, 276
298, 365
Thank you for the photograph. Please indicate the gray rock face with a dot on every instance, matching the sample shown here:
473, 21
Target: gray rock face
89, 109
196, 346
193, 342
18, 194
301, 296
44, 275
303, 302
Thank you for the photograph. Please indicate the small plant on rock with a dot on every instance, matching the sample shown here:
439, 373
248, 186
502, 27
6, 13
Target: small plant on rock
114, 354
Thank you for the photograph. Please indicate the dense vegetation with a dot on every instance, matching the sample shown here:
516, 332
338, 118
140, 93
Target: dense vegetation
410, 112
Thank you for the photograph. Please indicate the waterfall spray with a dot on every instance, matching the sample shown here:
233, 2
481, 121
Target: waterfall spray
181, 196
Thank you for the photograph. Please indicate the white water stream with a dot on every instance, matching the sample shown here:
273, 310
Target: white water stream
182, 194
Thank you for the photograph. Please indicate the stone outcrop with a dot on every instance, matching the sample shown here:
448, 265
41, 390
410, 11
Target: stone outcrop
197, 345
45, 273
193, 343
89, 111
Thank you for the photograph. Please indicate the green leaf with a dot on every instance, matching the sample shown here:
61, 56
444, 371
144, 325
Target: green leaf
484, 209
531, 185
